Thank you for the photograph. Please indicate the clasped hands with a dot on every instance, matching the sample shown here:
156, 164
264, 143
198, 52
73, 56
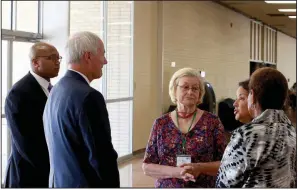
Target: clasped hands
190, 171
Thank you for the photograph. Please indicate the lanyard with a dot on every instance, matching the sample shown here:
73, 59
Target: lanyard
183, 138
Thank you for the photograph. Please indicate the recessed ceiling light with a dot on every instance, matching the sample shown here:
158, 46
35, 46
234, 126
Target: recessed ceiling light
287, 10
281, 2
292, 16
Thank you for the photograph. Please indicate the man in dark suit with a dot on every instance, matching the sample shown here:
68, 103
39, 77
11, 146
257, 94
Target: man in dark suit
28, 164
76, 121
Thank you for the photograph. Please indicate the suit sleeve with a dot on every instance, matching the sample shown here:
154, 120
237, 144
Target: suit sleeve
96, 133
15, 111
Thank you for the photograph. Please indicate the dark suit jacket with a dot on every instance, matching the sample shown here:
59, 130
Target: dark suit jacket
78, 135
28, 164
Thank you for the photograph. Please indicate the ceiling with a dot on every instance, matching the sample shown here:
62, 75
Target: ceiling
266, 13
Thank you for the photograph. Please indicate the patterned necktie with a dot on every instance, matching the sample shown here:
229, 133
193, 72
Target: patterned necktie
50, 87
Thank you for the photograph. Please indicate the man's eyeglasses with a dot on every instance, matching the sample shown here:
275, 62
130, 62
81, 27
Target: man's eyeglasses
186, 88
52, 57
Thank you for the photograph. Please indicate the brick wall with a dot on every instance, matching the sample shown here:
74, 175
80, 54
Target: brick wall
198, 34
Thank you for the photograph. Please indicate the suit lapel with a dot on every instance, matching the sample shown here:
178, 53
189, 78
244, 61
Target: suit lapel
36, 88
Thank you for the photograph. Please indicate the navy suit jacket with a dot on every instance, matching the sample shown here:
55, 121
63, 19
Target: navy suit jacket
78, 135
28, 164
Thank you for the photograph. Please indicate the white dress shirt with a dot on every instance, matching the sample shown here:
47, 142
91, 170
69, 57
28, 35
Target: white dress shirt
42, 82
81, 75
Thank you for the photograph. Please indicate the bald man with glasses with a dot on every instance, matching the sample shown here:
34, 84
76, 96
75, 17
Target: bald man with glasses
28, 164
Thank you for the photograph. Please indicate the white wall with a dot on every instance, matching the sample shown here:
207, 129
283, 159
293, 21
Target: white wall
286, 57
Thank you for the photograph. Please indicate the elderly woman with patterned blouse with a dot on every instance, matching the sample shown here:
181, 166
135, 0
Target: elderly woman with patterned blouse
185, 139
262, 153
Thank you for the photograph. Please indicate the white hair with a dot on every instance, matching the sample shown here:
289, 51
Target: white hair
185, 72
79, 43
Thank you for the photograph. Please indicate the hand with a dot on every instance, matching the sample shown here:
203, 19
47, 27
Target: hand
180, 173
186, 175
190, 171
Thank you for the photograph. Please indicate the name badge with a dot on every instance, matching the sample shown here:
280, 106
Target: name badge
183, 159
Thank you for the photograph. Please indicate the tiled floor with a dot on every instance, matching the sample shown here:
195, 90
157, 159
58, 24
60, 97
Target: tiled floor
132, 175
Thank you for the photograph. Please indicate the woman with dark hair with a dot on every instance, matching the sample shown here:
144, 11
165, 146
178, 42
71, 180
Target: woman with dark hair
262, 153
294, 88
290, 107
241, 113
241, 110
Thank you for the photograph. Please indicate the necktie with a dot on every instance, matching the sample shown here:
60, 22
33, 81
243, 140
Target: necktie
50, 87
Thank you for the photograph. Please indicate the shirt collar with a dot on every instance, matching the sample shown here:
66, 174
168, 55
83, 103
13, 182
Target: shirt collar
273, 116
42, 82
81, 75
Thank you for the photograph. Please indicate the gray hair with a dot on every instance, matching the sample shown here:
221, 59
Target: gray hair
185, 72
80, 43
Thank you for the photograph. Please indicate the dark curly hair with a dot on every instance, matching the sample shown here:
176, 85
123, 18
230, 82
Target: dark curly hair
270, 88
244, 84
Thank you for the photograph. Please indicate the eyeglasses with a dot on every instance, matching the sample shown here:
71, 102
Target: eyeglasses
186, 88
52, 57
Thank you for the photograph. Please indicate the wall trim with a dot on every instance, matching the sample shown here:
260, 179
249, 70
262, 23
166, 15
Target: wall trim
129, 157
140, 151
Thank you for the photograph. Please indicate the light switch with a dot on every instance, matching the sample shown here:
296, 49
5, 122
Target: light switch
203, 74
173, 64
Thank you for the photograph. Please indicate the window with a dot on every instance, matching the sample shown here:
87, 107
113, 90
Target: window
93, 11
24, 17
6, 15
112, 21
21, 61
4, 74
78, 22
119, 49
15, 14
119, 73
27, 20
126, 173
120, 120
4, 142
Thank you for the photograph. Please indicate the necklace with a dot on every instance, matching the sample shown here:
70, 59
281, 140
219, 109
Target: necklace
183, 137
185, 115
